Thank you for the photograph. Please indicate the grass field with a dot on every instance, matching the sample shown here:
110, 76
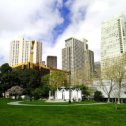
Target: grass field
40, 102
95, 115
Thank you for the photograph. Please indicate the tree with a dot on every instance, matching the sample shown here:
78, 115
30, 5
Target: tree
85, 90
114, 74
45, 86
45, 79
107, 76
30, 79
5, 77
1, 90
15, 91
37, 93
58, 79
55, 80
16, 77
115, 71
5, 68
98, 96
119, 76
45, 90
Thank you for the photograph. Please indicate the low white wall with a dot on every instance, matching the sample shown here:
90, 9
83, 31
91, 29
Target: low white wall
66, 94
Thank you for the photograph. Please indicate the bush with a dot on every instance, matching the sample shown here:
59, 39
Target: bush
98, 96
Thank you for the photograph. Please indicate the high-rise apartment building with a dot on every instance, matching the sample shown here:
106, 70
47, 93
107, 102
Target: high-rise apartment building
89, 64
21, 51
52, 61
113, 40
75, 59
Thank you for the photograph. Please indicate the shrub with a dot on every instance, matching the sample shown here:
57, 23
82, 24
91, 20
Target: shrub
98, 96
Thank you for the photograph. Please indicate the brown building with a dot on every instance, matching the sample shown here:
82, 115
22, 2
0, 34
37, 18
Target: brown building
52, 61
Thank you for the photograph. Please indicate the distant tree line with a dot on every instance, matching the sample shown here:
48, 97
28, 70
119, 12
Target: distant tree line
29, 82
33, 83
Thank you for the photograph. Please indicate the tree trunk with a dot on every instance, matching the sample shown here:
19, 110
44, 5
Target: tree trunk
15, 97
108, 98
4, 94
119, 92
118, 100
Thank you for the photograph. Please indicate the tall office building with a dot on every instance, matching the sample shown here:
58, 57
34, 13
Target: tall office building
75, 59
21, 50
113, 40
52, 61
89, 64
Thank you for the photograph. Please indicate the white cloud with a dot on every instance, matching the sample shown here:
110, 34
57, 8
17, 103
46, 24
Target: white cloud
30, 18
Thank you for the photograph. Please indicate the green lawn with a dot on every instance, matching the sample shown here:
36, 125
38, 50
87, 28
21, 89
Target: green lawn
96, 115
42, 102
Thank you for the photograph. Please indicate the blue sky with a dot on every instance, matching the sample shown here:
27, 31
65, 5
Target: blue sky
53, 21
65, 14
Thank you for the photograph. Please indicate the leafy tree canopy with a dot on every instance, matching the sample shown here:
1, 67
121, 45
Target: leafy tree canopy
98, 96
5, 68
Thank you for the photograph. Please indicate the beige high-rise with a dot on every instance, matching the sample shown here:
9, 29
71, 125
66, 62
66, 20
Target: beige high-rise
76, 59
20, 51
113, 40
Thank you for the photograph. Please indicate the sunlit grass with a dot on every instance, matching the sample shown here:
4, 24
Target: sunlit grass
95, 115
41, 102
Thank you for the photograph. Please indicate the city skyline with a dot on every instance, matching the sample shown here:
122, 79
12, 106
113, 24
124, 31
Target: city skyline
53, 22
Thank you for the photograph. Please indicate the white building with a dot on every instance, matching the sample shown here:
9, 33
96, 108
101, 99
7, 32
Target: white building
63, 94
75, 59
113, 40
20, 51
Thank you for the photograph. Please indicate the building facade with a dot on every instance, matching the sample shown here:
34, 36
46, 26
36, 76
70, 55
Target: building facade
52, 61
88, 64
113, 40
97, 69
22, 51
75, 60
68, 94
